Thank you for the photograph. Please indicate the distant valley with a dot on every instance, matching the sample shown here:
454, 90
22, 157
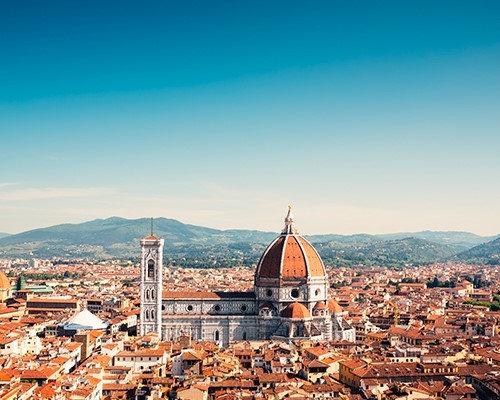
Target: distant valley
192, 245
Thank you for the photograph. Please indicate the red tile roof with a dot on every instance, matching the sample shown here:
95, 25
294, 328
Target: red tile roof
290, 256
296, 311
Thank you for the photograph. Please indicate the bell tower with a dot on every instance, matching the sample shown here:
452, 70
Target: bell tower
151, 283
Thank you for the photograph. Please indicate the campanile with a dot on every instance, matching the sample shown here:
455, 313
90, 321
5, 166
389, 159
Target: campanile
151, 284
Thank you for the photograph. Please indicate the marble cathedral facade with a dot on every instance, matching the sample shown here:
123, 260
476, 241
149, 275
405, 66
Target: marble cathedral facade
290, 299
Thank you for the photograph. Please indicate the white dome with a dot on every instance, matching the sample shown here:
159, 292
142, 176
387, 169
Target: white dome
84, 320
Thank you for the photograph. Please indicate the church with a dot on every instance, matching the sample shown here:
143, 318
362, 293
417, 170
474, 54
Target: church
289, 302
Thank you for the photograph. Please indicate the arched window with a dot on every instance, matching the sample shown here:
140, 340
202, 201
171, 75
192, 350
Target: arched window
216, 336
151, 269
153, 314
147, 294
152, 294
244, 336
147, 315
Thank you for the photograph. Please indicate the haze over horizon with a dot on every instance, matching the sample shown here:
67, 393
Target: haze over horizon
277, 230
367, 118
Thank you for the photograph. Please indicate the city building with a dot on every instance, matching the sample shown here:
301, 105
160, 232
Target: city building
289, 302
81, 321
5, 288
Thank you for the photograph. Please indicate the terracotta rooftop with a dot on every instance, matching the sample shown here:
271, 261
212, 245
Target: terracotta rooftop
4, 282
142, 353
151, 237
296, 311
290, 256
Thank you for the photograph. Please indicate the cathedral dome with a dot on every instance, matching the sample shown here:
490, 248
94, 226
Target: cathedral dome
320, 306
4, 282
289, 257
296, 311
334, 307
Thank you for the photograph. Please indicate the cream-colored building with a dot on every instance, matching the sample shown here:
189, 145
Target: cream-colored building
140, 360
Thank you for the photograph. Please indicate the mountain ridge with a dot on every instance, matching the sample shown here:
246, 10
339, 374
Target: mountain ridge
117, 237
485, 253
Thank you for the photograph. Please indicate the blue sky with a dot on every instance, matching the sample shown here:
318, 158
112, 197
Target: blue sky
365, 116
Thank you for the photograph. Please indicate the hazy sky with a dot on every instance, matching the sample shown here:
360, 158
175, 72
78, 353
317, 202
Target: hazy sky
376, 116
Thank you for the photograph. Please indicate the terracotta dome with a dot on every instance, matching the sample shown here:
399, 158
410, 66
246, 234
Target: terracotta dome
4, 282
334, 307
296, 311
151, 237
290, 256
320, 306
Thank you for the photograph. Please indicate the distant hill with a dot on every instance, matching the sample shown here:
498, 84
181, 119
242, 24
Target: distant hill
397, 252
459, 240
357, 238
3, 234
117, 237
486, 253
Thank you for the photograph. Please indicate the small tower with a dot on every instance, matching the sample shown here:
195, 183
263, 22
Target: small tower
21, 283
151, 283
289, 228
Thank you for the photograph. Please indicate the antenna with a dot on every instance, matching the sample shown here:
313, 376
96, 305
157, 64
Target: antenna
151, 226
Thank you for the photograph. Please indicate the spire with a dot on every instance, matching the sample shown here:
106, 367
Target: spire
152, 235
289, 223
